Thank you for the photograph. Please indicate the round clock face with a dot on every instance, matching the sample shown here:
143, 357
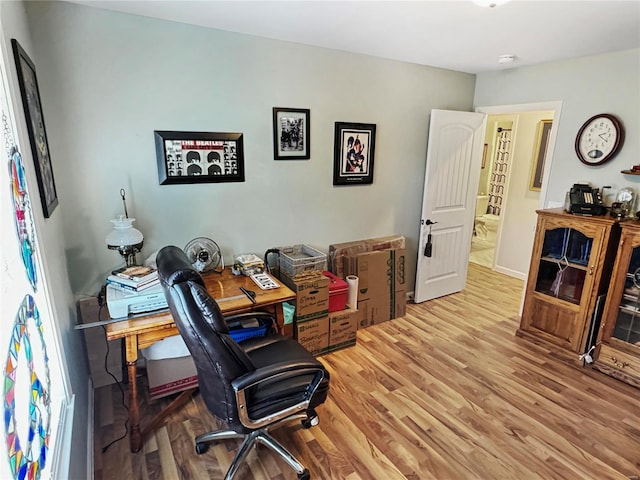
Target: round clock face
599, 139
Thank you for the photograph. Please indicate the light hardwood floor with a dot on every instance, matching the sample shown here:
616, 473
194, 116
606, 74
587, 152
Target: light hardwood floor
446, 392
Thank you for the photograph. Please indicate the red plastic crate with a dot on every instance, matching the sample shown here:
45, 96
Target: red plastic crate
337, 292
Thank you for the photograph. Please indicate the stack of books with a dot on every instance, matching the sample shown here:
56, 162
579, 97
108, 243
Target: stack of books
134, 279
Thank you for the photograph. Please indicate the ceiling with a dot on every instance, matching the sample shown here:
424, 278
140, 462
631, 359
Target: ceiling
453, 34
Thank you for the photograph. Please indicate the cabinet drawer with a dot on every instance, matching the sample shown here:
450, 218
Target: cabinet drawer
626, 363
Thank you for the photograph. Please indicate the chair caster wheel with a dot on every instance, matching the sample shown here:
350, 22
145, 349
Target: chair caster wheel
310, 422
304, 475
201, 448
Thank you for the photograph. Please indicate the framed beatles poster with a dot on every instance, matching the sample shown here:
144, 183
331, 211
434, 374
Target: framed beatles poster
199, 157
354, 145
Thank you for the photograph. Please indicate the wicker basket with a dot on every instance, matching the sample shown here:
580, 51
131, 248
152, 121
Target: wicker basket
299, 259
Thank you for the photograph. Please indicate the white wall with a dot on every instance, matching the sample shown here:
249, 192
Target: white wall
586, 86
109, 80
54, 277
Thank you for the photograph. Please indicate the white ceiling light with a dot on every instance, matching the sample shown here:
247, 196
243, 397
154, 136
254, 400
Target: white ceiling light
506, 59
489, 3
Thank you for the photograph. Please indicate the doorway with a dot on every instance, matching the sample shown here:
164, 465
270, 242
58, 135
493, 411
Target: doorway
496, 163
505, 240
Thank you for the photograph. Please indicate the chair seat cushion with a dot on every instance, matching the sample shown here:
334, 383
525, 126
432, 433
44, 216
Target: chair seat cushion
272, 397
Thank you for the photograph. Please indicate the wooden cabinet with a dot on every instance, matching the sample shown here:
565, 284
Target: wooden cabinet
618, 348
570, 267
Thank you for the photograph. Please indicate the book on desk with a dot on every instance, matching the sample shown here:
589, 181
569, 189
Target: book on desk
132, 283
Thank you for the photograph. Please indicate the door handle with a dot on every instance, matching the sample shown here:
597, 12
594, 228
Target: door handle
428, 247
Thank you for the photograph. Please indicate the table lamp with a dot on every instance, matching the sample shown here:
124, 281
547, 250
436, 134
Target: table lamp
124, 238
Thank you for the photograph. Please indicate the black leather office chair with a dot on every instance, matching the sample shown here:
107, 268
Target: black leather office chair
252, 386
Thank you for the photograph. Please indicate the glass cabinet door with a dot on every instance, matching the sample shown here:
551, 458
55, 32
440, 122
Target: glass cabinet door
627, 326
563, 264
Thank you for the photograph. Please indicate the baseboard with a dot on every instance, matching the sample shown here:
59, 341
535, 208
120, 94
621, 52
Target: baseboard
60, 457
510, 273
90, 431
410, 296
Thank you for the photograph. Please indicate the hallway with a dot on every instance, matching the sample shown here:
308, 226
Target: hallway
483, 242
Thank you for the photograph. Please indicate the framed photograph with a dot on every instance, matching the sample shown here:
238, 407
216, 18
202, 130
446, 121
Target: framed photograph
354, 146
484, 155
199, 157
539, 152
35, 126
291, 138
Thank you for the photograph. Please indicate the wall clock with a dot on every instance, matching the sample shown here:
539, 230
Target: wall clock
599, 139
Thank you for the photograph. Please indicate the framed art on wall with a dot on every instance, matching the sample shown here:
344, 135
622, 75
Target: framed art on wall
199, 157
35, 126
484, 155
354, 145
291, 137
540, 150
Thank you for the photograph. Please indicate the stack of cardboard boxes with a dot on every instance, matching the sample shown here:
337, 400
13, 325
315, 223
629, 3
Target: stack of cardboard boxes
321, 324
379, 265
310, 321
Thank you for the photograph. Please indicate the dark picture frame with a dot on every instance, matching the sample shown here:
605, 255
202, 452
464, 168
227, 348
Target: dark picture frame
354, 148
484, 155
199, 157
291, 133
32, 105
539, 153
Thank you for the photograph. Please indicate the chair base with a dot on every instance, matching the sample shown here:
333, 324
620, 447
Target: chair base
260, 436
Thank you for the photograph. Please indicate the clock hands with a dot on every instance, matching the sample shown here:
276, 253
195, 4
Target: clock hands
603, 138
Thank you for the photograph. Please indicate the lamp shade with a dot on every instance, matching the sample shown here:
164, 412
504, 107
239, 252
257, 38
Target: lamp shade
123, 233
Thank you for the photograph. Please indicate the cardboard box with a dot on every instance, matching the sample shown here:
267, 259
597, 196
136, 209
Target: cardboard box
314, 334
171, 375
401, 303
312, 295
338, 251
381, 284
343, 326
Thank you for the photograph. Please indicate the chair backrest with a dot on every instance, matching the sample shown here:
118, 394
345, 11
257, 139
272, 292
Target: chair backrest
218, 358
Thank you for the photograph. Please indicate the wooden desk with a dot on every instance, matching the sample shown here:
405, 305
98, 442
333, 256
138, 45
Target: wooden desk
143, 331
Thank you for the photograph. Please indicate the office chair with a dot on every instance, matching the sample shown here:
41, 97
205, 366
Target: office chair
252, 386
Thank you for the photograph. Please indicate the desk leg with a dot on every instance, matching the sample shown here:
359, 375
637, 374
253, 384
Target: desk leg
280, 317
135, 438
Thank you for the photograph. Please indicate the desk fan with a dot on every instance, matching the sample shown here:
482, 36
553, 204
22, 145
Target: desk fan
204, 255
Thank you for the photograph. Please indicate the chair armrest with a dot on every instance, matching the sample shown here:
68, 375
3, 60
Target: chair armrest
271, 373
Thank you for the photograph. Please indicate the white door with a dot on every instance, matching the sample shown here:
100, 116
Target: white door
454, 156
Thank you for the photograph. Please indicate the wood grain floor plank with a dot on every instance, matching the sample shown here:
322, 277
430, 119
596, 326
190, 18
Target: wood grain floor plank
446, 392
166, 454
